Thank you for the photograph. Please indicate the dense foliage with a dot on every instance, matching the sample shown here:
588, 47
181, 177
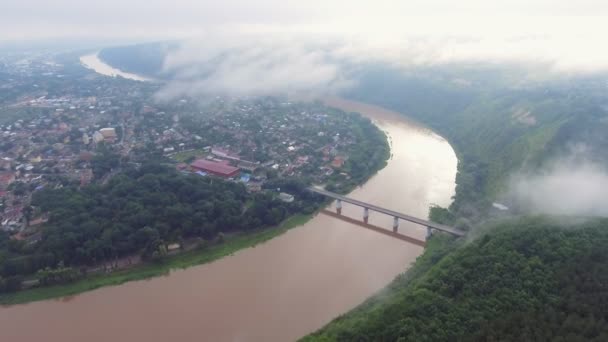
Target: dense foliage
528, 280
138, 211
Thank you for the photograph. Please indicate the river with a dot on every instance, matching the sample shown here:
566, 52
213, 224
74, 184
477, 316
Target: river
92, 61
276, 291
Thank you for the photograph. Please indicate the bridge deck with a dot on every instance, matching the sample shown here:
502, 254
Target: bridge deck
405, 217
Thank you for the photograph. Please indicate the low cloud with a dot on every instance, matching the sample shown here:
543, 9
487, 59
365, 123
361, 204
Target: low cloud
570, 186
264, 62
249, 66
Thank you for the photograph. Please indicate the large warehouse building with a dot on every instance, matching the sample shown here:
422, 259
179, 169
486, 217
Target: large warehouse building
215, 168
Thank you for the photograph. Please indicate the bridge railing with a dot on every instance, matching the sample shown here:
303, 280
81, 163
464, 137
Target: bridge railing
396, 215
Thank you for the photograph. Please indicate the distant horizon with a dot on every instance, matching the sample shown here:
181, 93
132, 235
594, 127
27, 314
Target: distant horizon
568, 35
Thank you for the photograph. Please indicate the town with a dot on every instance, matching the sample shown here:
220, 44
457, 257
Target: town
62, 124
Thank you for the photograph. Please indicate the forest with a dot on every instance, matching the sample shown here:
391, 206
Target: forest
530, 279
139, 211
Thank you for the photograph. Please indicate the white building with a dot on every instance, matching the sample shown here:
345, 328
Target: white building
285, 197
97, 137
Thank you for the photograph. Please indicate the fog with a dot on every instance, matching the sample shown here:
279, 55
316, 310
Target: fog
566, 35
251, 65
568, 186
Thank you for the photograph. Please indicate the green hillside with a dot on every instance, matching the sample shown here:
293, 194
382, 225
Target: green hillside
525, 280
497, 126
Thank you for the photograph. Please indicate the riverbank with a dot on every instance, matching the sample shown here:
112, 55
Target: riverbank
369, 312
93, 62
148, 270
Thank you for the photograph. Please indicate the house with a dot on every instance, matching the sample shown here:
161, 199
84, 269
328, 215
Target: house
218, 169
285, 197
6, 179
97, 137
221, 153
86, 177
254, 187
173, 247
338, 162
109, 135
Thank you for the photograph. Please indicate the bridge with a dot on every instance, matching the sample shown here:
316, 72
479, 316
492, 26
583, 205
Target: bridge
430, 226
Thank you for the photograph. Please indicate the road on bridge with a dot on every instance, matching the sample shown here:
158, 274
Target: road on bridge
426, 223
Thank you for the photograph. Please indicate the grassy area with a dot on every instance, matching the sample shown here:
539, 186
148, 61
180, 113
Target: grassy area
149, 270
182, 157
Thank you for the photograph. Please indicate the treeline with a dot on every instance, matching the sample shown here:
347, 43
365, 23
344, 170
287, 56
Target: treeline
138, 211
527, 280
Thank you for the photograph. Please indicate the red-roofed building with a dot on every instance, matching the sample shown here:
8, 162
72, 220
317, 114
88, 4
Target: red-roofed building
338, 162
214, 168
6, 179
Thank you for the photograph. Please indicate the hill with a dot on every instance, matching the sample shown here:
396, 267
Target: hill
528, 280
496, 125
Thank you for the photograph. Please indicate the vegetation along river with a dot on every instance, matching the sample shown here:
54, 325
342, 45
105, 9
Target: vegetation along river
279, 290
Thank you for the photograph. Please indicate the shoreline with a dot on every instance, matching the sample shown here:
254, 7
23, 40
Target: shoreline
96, 64
182, 260
148, 270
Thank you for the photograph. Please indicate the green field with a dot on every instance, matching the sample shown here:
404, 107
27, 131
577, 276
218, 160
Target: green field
149, 270
182, 157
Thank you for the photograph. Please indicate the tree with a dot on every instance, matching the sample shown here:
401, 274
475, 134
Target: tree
27, 214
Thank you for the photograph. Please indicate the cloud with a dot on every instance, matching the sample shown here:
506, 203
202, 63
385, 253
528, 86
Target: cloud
249, 65
566, 35
569, 186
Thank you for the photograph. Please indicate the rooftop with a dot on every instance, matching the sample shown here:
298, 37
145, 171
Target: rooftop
215, 167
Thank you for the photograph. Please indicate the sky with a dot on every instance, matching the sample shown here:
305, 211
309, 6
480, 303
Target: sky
151, 19
569, 34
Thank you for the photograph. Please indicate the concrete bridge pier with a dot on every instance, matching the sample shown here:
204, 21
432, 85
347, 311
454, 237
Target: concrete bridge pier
429, 233
339, 207
395, 224
365, 215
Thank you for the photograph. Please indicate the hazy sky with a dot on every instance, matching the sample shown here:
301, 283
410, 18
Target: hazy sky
149, 19
569, 34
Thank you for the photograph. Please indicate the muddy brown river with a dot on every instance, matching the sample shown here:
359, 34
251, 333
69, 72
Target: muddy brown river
279, 290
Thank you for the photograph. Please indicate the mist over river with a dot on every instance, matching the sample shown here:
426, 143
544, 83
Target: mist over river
279, 290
